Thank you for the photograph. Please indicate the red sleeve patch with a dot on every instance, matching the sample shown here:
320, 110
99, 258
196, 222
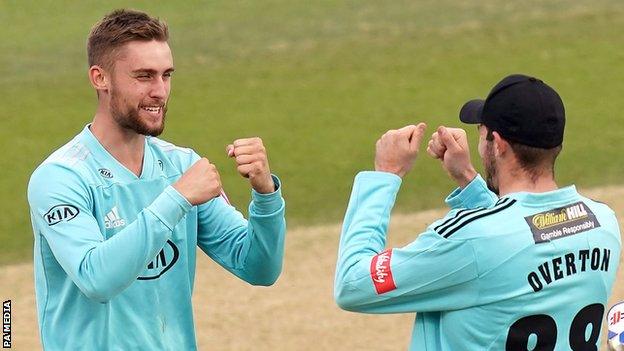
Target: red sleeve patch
381, 273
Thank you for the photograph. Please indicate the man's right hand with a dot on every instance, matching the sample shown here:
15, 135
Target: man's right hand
200, 183
396, 150
450, 146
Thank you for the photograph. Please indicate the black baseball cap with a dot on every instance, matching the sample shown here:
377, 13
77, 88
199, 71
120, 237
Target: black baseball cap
521, 109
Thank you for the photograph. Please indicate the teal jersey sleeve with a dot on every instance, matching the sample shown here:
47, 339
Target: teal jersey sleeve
253, 249
475, 194
369, 279
62, 211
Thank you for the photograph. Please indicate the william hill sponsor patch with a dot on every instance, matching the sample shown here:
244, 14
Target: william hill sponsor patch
561, 222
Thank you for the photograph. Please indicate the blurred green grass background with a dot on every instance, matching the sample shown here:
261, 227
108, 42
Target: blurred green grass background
319, 82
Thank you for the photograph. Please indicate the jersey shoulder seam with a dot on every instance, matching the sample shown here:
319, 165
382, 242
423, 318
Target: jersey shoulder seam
166, 146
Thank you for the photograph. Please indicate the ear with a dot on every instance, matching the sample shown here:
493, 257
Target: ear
501, 146
99, 78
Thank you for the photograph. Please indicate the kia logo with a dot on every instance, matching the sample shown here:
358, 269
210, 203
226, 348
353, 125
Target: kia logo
165, 259
61, 213
106, 173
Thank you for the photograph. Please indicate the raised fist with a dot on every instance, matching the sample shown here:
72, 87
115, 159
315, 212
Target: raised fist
252, 163
450, 146
397, 149
200, 183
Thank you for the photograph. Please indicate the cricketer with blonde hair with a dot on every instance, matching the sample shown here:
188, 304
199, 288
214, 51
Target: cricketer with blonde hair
118, 213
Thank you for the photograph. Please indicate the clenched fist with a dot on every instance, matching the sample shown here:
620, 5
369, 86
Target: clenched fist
450, 146
252, 162
397, 149
199, 183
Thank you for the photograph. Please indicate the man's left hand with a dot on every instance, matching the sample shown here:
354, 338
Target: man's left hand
450, 146
252, 163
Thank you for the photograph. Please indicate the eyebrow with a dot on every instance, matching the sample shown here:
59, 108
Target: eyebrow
151, 71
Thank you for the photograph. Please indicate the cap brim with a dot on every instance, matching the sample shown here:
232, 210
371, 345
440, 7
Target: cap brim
471, 112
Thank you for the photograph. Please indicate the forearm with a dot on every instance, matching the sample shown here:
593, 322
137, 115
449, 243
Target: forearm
373, 279
252, 250
263, 264
366, 221
103, 269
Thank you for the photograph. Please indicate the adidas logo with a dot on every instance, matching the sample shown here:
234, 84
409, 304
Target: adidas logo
112, 219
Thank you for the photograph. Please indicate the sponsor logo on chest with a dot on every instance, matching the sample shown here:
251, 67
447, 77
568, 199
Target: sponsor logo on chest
106, 173
164, 260
113, 219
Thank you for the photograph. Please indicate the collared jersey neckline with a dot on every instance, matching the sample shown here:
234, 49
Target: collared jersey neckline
561, 195
109, 162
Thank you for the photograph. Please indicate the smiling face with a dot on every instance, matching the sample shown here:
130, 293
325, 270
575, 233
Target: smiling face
140, 82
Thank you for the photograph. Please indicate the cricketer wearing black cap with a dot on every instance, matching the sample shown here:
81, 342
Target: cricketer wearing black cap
526, 113
529, 269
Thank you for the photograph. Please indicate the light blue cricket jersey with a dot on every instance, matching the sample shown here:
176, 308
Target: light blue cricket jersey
494, 274
115, 253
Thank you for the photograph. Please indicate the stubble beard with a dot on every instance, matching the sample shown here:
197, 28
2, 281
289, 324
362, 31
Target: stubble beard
130, 118
490, 169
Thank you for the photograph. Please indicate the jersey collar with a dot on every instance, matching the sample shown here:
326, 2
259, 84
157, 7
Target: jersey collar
108, 162
562, 195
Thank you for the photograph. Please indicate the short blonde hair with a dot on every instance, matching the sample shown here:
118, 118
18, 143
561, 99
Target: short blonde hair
120, 27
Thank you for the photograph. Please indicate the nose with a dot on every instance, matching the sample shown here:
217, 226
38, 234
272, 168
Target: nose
160, 88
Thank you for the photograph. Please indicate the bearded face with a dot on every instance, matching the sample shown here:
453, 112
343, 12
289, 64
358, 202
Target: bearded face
140, 83
143, 118
486, 152
489, 163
